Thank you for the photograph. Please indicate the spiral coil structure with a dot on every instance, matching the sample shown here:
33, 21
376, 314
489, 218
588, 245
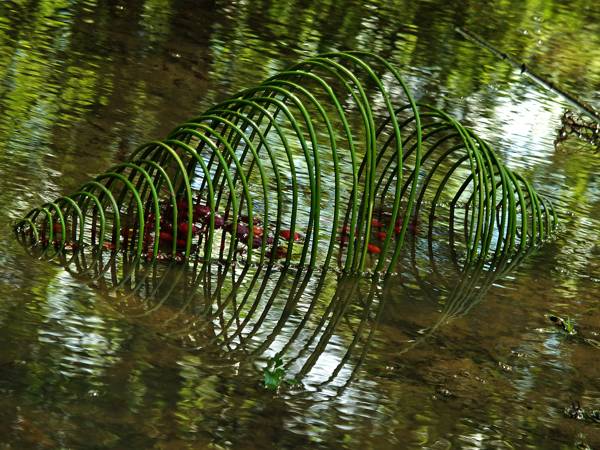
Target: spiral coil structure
330, 157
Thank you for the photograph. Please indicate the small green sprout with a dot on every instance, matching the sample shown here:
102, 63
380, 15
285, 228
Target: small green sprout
569, 325
274, 373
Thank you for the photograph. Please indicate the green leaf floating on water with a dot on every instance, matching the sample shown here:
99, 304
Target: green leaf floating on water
274, 373
273, 379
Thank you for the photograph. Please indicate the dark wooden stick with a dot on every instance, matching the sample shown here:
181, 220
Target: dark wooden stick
580, 105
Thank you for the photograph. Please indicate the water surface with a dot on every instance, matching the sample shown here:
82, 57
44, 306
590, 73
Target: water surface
84, 83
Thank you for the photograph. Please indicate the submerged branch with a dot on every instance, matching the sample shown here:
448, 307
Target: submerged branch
577, 103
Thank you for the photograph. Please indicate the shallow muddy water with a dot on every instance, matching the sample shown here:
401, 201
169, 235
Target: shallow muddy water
413, 363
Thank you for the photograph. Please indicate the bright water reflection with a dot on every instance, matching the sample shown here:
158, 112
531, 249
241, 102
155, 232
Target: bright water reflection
83, 83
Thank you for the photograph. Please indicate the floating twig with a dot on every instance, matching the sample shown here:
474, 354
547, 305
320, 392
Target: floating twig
574, 124
579, 104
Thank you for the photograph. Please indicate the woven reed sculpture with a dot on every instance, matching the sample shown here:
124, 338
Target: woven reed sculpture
330, 157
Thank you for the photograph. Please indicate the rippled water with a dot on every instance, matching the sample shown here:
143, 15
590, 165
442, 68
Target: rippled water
84, 83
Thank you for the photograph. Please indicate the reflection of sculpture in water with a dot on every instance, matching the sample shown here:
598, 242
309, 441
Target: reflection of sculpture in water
321, 323
242, 314
449, 288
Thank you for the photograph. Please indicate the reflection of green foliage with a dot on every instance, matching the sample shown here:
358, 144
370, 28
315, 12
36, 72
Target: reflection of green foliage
79, 92
155, 18
417, 33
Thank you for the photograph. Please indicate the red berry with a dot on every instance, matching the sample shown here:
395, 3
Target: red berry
202, 210
109, 246
344, 239
165, 237
241, 230
281, 252
286, 235
184, 226
246, 219
373, 249
219, 222
257, 242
